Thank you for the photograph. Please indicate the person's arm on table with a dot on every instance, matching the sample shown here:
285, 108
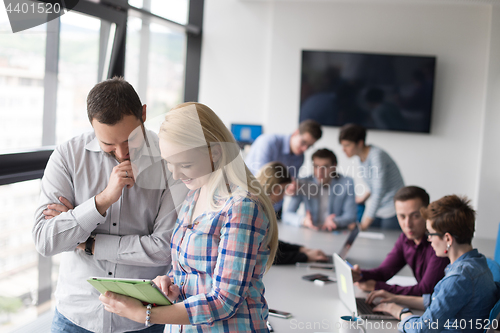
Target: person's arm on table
329, 224
289, 254
433, 274
392, 264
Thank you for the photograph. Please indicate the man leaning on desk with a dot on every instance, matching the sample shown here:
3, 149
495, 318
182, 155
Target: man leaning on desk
327, 195
105, 205
412, 248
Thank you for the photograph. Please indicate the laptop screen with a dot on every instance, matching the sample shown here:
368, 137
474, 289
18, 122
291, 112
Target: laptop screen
348, 243
345, 284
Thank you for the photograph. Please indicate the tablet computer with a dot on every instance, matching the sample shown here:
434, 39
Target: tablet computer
144, 290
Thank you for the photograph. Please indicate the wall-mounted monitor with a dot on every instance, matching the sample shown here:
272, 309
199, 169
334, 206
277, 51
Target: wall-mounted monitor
379, 91
245, 134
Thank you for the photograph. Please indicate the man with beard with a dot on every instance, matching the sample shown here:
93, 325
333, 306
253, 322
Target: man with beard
109, 206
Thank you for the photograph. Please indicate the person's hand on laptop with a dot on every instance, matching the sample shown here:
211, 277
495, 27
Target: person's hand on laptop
368, 285
329, 224
386, 297
308, 222
391, 308
356, 273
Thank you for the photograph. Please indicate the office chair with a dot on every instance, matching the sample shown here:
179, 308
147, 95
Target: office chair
493, 316
494, 268
497, 247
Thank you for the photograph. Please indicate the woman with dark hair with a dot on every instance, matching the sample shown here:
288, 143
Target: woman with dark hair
462, 300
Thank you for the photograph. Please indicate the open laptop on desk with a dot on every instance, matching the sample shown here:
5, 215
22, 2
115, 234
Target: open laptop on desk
347, 296
343, 252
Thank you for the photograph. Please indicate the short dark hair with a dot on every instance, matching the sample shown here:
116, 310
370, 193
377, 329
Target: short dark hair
352, 132
412, 192
325, 153
454, 215
109, 101
312, 127
272, 174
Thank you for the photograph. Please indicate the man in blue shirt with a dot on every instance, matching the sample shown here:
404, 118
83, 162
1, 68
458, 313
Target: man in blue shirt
328, 196
287, 149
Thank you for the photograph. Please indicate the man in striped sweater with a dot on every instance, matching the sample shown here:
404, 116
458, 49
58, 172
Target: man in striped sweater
380, 173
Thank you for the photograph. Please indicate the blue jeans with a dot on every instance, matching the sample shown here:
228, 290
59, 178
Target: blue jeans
61, 324
390, 223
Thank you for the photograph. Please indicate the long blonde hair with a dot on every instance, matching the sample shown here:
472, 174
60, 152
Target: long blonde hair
195, 125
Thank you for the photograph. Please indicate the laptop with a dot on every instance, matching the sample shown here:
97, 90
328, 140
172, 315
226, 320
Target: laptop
343, 252
356, 306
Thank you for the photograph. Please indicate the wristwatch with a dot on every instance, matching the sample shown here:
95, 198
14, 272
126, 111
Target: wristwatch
89, 244
403, 311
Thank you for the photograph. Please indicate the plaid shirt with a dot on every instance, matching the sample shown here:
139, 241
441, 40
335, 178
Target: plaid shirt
218, 261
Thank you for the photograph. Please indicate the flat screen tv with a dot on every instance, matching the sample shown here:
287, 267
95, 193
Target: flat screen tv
378, 91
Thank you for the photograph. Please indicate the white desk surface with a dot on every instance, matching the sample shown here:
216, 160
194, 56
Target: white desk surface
317, 308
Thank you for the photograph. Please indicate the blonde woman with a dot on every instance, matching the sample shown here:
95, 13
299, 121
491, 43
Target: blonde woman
225, 237
274, 177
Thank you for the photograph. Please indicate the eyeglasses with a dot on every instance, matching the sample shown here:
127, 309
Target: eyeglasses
429, 234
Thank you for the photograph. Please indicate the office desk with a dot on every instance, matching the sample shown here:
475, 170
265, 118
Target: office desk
317, 308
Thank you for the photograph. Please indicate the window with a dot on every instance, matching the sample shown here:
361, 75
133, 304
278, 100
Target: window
158, 74
78, 58
46, 73
19, 260
174, 10
22, 71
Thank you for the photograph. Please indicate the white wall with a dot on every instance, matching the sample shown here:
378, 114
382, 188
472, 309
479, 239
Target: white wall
251, 73
489, 176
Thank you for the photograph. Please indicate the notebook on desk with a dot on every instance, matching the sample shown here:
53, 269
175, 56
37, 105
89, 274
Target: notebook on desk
329, 263
345, 284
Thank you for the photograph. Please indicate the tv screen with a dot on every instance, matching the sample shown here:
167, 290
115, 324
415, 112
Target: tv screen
378, 91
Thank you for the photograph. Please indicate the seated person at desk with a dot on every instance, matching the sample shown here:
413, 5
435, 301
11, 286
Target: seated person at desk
328, 197
274, 177
380, 173
466, 294
412, 248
